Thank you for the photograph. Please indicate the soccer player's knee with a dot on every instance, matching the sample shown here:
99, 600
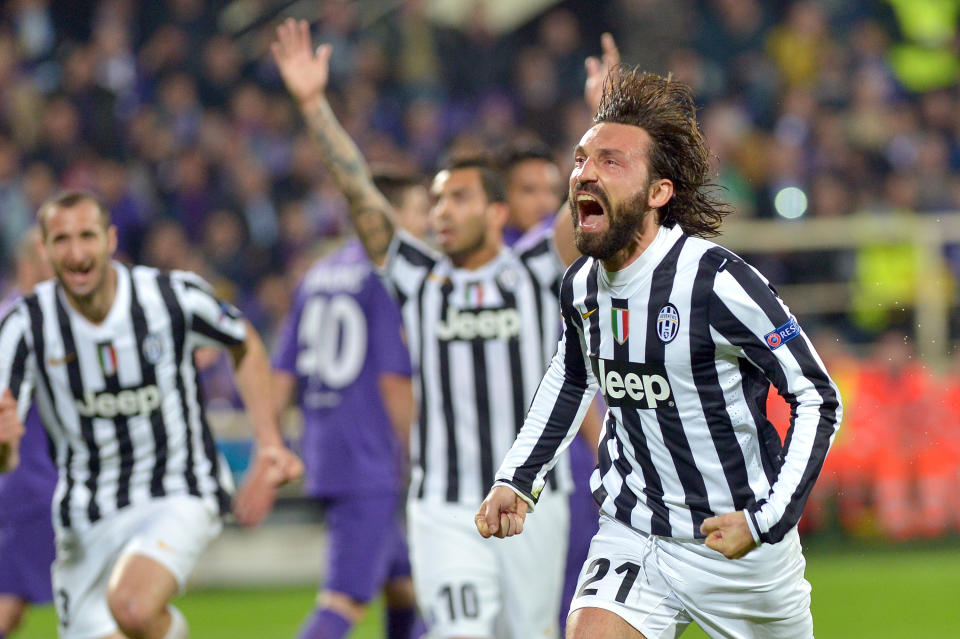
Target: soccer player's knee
597, 623
342, 604
11, 613
134, 617
399, 593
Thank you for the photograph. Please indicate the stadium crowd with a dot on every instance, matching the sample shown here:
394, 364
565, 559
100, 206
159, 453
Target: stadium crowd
173, 113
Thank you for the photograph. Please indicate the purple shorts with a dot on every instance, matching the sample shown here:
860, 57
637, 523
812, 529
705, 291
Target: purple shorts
367, 544
26, 552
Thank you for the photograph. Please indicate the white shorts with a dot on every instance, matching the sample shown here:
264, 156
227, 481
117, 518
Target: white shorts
468, 586
660, 585
171, 530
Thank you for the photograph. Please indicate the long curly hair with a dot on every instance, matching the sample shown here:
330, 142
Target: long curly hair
665, 109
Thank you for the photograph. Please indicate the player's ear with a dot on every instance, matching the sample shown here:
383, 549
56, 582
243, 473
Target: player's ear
111, 239
498, 213
659, 193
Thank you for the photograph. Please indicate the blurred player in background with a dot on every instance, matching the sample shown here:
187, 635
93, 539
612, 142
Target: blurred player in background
106, 350
533, 185
480, 331
409, 197
341, 355
534, 196
26, 532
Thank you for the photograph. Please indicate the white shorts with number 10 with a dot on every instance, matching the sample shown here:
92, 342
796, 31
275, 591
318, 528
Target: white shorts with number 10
468, 586
660, 585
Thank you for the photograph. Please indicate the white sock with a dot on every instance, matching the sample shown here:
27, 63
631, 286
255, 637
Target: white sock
178, 625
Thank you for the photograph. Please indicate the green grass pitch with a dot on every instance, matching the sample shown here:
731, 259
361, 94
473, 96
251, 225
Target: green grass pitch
875, 593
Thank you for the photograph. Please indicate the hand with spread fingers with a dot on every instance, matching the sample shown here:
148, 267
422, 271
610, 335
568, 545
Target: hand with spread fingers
729, 534
305, 71
597, 70
273, 467
501, 514
11, 430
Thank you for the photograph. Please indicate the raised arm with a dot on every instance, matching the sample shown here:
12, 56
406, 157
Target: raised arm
305, 73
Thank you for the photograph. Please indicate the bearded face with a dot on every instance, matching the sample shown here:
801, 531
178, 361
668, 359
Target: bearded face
602, 238
79, 247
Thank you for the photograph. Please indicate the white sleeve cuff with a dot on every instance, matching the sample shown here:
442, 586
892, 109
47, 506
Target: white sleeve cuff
751, 524
530, 502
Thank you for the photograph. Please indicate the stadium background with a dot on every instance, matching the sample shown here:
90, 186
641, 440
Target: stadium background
835, 126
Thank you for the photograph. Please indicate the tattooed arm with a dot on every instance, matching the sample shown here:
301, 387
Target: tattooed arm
306, 73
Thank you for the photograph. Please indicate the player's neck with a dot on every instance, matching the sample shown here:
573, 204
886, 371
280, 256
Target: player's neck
95, 306
640, 242
478, 257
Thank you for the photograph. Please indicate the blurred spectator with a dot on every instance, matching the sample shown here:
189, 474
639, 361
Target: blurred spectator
410, 42
60, 143
222, 70
167, 247
799, 45
16, 215
648, 31
112, 182
225, 240
891, 424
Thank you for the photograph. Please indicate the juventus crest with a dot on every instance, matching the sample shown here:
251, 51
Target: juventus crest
668, 323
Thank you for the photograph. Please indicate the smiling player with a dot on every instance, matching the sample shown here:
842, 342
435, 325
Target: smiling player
106, 350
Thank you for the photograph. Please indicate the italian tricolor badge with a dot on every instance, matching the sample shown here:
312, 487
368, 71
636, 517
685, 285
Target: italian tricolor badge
620, 323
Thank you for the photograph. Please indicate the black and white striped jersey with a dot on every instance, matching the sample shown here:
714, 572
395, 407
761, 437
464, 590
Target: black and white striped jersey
683, 343
480, 341
120, 399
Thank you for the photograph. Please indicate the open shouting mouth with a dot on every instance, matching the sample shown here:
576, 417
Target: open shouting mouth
591, 212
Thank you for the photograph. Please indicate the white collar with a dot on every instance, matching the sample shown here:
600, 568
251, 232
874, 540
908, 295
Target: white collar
646, 261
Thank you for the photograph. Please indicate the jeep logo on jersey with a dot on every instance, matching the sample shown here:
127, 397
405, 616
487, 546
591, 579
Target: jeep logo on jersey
126, 403
632, 385
489, 323
668, 323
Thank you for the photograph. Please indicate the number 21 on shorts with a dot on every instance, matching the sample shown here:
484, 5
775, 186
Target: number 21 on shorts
598, 570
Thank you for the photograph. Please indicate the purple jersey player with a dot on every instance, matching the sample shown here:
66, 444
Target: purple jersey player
26, 531
342, 351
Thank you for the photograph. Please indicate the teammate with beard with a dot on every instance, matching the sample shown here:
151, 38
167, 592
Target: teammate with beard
480, 334
699, 502
26, 533
106, 350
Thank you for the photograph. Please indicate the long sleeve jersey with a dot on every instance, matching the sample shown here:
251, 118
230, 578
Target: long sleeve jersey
683, 343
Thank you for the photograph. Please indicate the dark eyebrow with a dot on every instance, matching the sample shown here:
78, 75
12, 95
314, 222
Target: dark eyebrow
616, 152
600, 152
